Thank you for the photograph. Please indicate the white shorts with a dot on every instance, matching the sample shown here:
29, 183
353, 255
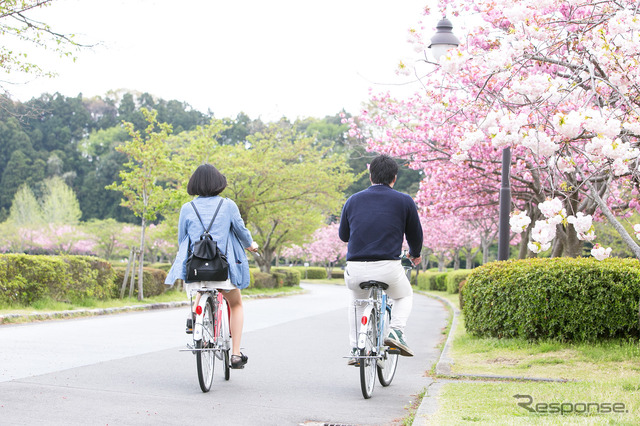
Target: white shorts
225, 286
388, 271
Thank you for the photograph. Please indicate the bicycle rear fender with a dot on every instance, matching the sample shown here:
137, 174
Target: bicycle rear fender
364, 328
197, 327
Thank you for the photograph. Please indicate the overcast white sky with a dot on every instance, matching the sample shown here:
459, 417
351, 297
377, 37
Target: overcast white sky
267, 58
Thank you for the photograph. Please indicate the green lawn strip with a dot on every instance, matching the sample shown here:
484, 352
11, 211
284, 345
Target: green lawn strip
579, 403
48, 306
600, 372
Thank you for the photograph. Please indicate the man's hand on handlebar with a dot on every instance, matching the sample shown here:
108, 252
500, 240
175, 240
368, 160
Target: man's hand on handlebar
253, 247
415, 260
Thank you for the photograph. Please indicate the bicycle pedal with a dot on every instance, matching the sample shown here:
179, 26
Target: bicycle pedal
189, 329
394, 351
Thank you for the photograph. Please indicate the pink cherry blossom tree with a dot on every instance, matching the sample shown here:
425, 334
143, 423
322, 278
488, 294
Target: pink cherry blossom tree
325, 248
554, 81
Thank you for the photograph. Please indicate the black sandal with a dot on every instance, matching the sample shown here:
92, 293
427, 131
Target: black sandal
238, 361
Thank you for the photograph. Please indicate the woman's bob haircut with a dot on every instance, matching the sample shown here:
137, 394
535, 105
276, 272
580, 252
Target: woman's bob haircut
206, 181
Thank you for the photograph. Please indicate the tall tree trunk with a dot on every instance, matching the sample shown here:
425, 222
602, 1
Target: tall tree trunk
140, 266
441, 262
485, 249
264, 261
456, 260
633, 246
524, 249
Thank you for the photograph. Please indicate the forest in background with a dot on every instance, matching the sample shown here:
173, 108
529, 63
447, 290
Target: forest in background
75, 138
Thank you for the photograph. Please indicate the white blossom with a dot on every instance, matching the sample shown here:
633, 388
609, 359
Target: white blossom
519, 222
600, 253
551, 208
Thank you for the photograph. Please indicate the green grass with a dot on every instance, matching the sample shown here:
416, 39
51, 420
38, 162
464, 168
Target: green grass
494, 403
173, 295
603, 372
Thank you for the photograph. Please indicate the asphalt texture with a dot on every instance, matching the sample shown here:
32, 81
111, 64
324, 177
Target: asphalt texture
127, 369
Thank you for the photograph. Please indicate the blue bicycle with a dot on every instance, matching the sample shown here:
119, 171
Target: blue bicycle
373, 355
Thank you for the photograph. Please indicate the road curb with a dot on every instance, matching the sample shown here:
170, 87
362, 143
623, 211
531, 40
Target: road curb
43, 316
77, 313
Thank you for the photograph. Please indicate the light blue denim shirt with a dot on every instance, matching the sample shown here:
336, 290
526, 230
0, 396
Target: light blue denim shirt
228, 231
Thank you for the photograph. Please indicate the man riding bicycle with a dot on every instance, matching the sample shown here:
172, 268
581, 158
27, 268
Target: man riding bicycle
374, 223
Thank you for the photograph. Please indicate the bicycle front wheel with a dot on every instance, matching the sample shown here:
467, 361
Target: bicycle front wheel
368, 360
205, 356
390, 361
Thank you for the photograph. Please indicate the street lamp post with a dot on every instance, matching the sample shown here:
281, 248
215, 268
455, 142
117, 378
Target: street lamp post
441, 42
505, 206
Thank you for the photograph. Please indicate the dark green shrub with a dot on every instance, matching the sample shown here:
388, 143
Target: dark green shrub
312, 272
263, 280
280, 278
441, 281
292, 276
65, 278
152, 282
560, 298
163, 266
427, 280
337, 273
454, 278
460, 298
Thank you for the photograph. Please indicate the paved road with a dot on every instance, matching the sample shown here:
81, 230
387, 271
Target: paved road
126, 369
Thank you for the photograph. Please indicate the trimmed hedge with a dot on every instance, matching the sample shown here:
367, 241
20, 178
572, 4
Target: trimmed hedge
65, 278
263, 279
291, 276
313, 272
455, 278
337, 273
435, 281
561, 298
152, 282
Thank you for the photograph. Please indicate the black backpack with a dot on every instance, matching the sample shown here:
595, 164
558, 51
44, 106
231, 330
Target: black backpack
207, 262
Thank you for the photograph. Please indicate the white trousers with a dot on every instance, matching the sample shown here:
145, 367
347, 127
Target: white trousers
388, 271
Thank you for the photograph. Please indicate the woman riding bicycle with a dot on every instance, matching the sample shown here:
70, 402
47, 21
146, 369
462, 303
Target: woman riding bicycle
232, 237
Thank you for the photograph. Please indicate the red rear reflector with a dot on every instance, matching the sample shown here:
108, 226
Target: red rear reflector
364, 320
198, 310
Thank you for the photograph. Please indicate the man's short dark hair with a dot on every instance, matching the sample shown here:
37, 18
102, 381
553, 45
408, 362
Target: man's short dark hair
383, 169
206, 181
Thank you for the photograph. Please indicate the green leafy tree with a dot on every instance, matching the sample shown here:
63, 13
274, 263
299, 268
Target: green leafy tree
143, 177
19, 28
25, 209
20, 169
60, 205
13, 138
284, 186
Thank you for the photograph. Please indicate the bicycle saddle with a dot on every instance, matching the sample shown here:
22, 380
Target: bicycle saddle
368, 284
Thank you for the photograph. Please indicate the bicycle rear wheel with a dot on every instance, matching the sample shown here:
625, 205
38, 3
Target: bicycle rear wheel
368, 362
205, 356
388, 371
226, 341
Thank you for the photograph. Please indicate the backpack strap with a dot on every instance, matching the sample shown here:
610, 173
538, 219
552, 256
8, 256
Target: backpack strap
206, 230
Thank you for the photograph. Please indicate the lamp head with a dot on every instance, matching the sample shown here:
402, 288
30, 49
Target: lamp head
444, 39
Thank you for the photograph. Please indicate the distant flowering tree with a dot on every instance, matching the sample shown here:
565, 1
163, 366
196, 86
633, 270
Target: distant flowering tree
554, 81
293, 253
327, 248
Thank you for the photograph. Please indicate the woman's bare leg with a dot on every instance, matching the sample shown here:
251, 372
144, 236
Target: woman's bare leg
234, 299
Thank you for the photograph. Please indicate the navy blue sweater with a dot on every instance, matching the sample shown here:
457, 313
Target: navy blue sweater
375, 221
